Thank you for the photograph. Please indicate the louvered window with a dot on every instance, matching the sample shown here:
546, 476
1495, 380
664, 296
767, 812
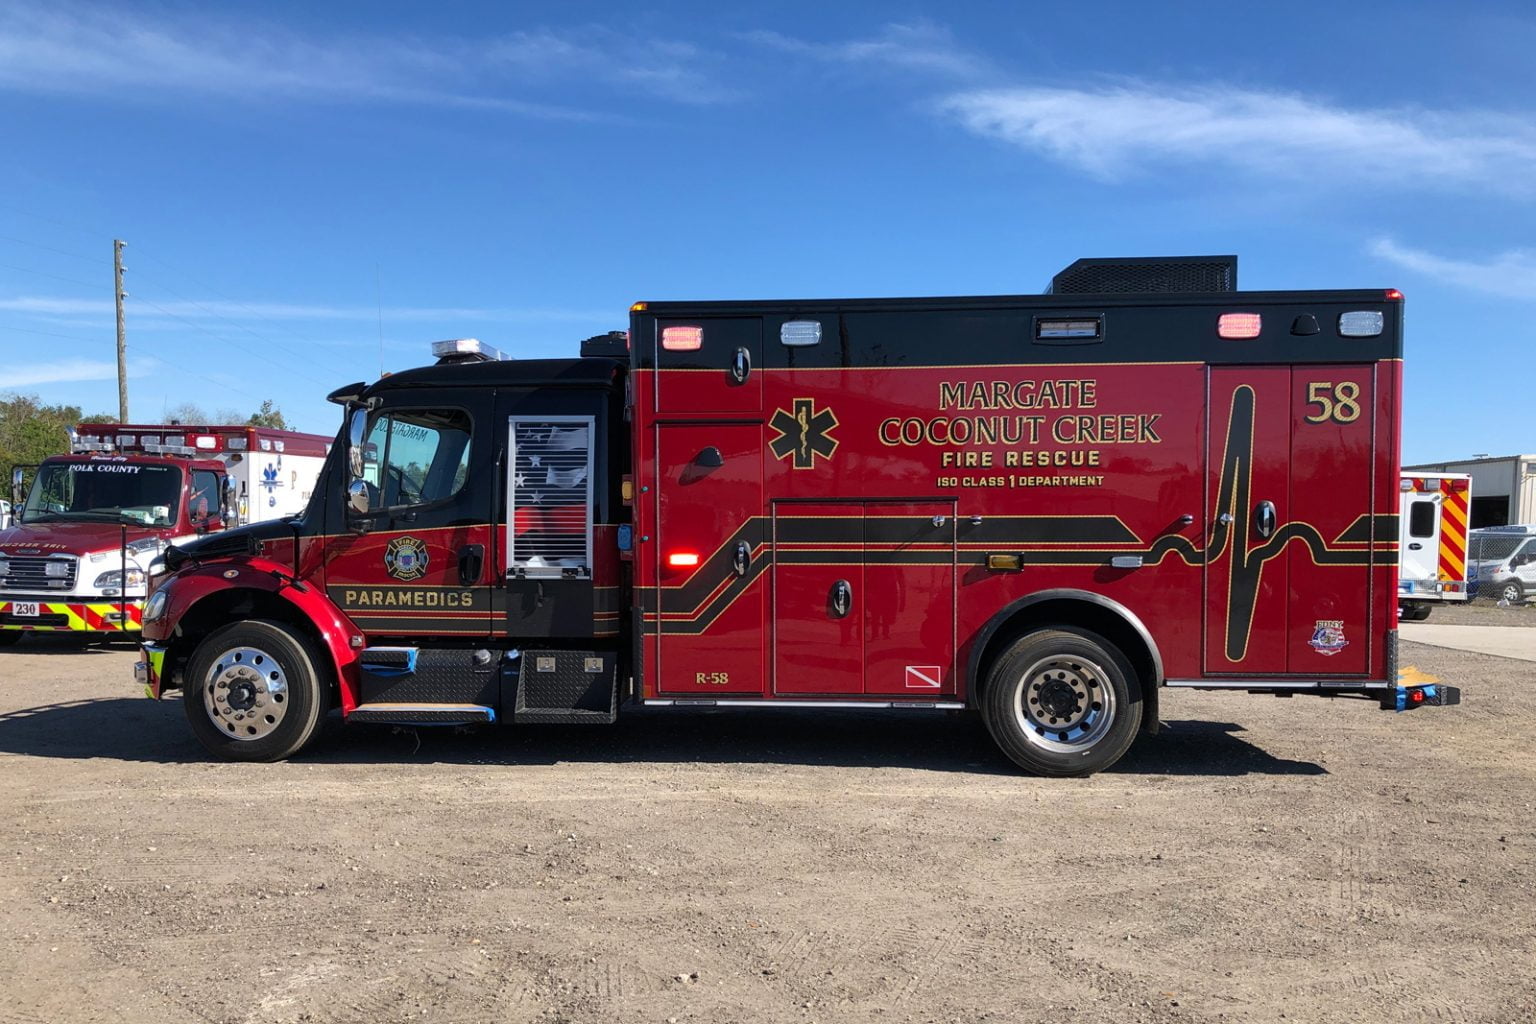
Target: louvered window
549, 521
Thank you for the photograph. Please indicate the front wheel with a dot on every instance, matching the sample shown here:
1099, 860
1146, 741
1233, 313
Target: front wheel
1062, 701
1512, 592
253, 692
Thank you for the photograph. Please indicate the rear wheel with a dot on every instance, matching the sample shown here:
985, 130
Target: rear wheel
1062, 701
253, 692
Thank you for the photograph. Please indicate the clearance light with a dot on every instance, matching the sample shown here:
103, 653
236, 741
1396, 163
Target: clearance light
683, 559
682, 339
1393, 295
1239, 325
639, 307
1361, 323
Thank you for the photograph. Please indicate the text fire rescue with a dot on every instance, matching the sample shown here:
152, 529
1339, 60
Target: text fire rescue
1064, 425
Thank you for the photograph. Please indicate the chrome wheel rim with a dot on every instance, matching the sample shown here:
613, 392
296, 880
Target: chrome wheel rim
1511, 593
246, 693
1064, 703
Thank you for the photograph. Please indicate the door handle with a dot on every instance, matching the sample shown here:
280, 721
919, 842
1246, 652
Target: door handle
741, 561
471, 560
842, 599
1264, 518
1415, 546
741, 366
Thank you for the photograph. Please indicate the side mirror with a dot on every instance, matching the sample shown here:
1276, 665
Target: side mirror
357, 497
16, 494
231, 502
356, 433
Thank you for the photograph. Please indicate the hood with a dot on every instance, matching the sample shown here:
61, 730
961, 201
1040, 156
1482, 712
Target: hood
73, 538
242, 540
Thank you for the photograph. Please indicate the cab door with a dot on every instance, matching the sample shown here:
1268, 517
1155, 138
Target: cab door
417, 563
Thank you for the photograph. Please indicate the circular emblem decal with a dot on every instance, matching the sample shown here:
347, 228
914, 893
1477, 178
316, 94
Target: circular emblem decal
406, 558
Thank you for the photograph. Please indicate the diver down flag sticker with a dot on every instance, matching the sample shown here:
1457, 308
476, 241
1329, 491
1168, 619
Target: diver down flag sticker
923, 677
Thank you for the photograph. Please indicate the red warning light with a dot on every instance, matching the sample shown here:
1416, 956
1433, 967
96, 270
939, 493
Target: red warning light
1393, 295
683, 559
1239, 325
682, 339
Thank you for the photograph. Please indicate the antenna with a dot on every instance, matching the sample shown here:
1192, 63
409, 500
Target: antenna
378, 287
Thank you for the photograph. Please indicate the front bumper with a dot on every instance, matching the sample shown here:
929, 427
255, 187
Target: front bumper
49, 614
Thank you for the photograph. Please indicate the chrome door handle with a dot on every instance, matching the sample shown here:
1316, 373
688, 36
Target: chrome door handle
1264, 518
741, 561
842, 599
1225, 518
741, 366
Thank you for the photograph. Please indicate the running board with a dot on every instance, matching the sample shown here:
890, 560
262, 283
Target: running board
866, 705
423, 714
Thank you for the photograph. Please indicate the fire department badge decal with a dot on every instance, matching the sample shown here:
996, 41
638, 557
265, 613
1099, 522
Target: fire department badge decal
405, 558
804, 433
1328, 637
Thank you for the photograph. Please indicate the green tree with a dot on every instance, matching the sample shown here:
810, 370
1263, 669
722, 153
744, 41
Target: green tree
31, 431
269, 415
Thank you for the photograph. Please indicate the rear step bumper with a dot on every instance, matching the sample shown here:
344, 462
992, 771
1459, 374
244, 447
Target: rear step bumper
1420, 691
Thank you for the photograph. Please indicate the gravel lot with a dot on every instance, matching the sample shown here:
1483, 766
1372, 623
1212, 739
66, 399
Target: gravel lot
1263, 859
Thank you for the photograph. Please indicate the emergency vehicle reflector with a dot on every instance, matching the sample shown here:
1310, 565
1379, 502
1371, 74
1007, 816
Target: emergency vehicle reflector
683, 559
1239, 325
1361, 324
682, 339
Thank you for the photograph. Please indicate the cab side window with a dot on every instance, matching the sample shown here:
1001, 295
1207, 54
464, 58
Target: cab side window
203, 502
416, 456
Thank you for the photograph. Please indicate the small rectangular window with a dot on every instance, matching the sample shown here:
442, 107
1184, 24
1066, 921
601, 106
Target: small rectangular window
1421, 519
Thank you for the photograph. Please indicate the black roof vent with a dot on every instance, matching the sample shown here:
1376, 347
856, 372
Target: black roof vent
614, 345
1148, 274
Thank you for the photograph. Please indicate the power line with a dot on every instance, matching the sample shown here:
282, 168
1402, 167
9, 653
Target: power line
56, 277
49, 248
249, 350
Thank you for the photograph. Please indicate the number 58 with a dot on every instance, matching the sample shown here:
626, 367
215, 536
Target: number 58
1337, 402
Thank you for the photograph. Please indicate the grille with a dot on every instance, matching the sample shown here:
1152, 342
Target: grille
30, 573
1154, 274
549, 523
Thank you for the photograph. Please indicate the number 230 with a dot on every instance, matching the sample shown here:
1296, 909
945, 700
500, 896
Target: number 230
1342, 405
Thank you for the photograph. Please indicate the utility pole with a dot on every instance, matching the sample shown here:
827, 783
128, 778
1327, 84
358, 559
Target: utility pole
122, 345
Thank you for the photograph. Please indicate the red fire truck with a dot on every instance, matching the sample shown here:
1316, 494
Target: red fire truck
74, 560
1045, 508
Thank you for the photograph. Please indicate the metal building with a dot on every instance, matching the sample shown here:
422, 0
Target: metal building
1503, 487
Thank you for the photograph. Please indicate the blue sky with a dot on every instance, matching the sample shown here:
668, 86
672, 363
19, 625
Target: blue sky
311, 191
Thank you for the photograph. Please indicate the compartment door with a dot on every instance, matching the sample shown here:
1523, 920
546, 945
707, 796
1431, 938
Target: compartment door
1248, 451
711, 557
909, 579
709, 365
820, 598
1333, 456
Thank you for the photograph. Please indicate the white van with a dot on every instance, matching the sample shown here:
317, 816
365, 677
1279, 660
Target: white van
1501, 562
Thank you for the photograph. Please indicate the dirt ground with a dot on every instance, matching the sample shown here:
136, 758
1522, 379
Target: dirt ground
1262, 860
1482, 612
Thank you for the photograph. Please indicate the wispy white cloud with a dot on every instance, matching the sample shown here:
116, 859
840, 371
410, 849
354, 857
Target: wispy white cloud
67, 47
1114, 133
911, 46
63, 371
1509, 274
250, 312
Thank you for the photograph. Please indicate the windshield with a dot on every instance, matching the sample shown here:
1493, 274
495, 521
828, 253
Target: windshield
110, 491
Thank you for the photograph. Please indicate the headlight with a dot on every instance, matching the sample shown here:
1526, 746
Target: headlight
156, 606
56, 568
115, 579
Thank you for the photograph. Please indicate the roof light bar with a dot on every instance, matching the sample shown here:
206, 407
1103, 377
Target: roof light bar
466, 350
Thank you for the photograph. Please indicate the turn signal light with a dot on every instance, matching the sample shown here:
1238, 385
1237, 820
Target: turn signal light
683, 559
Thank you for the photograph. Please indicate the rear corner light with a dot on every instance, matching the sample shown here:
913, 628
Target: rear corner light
1363, 323
682, 339
800, 333
639, 307
1393, 295
683, 559
1458, 485
1239, 325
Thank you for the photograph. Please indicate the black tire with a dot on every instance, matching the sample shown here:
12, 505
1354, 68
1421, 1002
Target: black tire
1511, 591
1422, 612
11, 637
253, 692
1080, 677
